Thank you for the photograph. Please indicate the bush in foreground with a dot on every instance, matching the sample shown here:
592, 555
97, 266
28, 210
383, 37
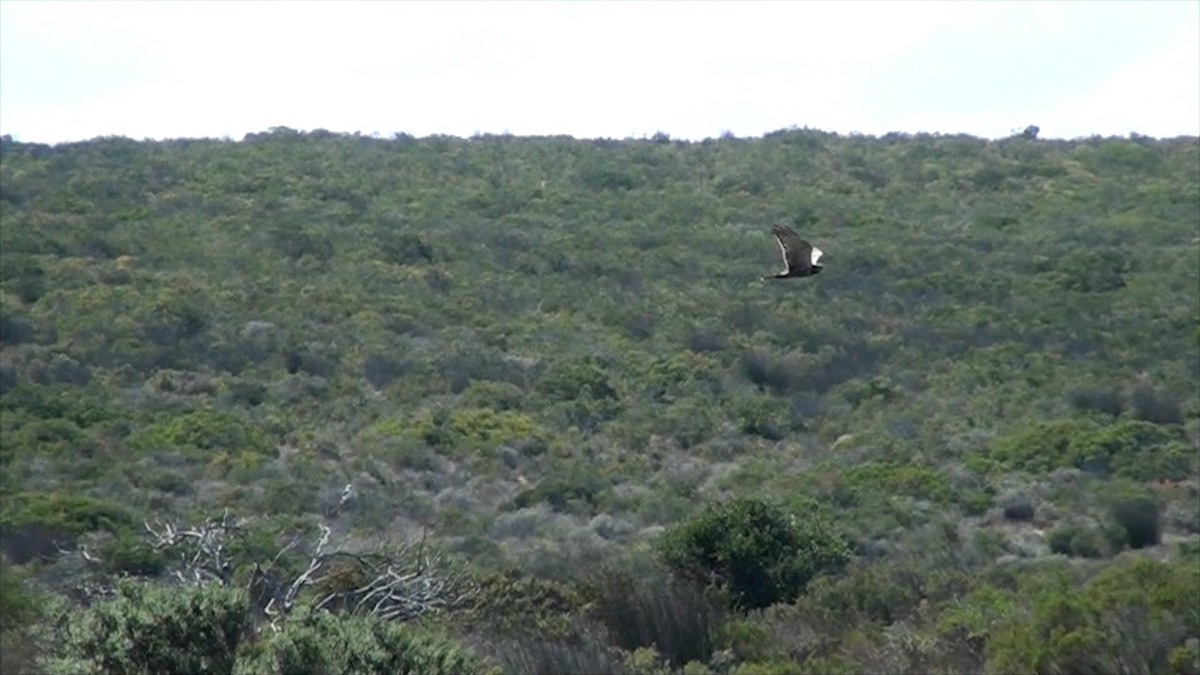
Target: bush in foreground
154, 629
209, 629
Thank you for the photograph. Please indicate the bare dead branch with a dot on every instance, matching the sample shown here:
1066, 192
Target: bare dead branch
201, 549
393, 583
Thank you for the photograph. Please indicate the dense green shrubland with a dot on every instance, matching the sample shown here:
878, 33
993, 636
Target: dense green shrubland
554, 359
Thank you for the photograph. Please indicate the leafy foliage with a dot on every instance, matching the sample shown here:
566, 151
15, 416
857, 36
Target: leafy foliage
155, 630
1130, 448
329, 643
543, 352
1130, 617
751, 547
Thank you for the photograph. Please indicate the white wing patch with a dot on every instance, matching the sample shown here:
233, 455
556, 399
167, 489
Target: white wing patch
816, 255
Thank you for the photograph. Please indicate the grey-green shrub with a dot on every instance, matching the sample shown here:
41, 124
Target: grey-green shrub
329, 644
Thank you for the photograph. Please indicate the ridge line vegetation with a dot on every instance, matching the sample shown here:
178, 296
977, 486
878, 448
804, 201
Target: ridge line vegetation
972, 444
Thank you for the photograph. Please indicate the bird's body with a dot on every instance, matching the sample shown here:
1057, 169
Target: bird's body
799, 257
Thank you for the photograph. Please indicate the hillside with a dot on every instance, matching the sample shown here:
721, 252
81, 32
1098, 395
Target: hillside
540, 354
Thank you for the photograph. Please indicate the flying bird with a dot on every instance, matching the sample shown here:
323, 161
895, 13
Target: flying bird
799, 257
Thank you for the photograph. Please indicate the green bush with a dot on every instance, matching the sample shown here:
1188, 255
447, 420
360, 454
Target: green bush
760, 415
1127, 618
154, 629
879, 479
512, 603
1129, 448
484, 428
569, 380
785, 666
207, 430
1185, 659
63, 512
1041, 447
1019, 509
754, 549
880, 592
21, 607
688, 421
128, 554
578, 491
351, 645
645, 661
1107, 401
1140, 519
454, 430
1156, 407
18, 605
1093, 271
1080, 541
1134, 449
971, 619
646, 608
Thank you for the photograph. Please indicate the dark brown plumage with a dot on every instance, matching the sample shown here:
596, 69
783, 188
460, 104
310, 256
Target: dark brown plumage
799, 257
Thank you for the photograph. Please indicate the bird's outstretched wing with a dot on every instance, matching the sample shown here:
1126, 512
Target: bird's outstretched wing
798, 255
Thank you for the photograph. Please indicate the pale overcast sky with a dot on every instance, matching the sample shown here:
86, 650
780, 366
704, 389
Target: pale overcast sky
77, 70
